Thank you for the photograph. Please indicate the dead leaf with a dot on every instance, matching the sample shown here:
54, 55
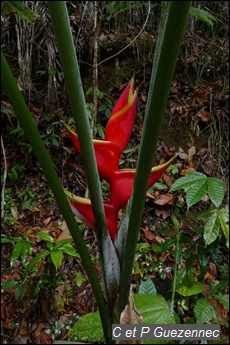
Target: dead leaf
164, 199
167, 180
191, 153
164, 213
204, 115
148, 234
44, 338
130, 316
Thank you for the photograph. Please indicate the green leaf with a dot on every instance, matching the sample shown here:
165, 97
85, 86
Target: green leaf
224, 299
196, 192
203, 311
26, 203
212, 228
205, 215
190, 287
181, 273
19, 291
57, 256
168, 244
153, 308
10, 284
147, 287
16, 253
44, 236
37, 258
215, 190
21, 10
223, 218
202, 255
188, 180
70, 251
26, 250
203, 15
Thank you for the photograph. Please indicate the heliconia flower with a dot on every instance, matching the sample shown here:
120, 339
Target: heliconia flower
122, 183
117, 133
121, 121
107, 154
82, 208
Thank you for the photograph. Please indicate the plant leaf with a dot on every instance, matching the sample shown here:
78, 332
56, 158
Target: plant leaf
16, 253
224, 299
196, 192
203, 311
56, 257
188, 180
215, 190
37, 258
19, 291
203, 15
223, 223
44, 236
211, 228
190, 287
147, 287
21, 10
10, 284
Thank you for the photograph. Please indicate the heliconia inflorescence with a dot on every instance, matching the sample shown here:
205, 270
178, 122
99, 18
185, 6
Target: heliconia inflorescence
107, 153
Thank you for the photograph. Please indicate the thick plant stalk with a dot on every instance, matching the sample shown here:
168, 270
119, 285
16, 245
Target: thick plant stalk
28, 124
174, 15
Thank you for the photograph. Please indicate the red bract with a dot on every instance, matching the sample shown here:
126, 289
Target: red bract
117, 133
107, 153
122, 183
82, 208
120, 125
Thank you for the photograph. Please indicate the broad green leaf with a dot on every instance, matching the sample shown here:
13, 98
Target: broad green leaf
218, 286
181, 273
70, 251
203, 311
203, 15
21, 10
44, 236
147, 287
26, 250
215, 190
37, 258
153, 308
19, 291
168, 244
196, 192
10, 284
56, 257
224, 299
16, 253
188, 180
202, 255
61, 244
205, 215
190, 287
223, 223
212, 228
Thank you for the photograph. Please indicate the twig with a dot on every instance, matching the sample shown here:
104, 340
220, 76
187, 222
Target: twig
4, 178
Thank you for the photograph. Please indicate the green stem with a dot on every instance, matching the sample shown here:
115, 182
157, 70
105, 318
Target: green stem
172, 25
28, 124
175, 271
